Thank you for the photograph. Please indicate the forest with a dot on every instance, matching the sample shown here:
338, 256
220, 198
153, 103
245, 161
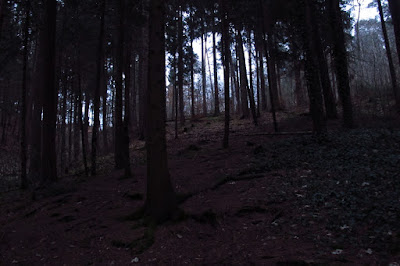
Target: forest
171, 132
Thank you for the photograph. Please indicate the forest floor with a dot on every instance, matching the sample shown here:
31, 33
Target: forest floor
268, 199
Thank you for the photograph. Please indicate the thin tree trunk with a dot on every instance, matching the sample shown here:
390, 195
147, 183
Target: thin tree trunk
80, 115
203, 73
258, 84
216, 89
127, 71
119, 127
243, 75
24, 180
262, 75
180, 67
250, 89
272, 77
226, 60
192, 67
271, 82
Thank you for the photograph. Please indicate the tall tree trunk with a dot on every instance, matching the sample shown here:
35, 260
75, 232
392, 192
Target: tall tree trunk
143, 68
104, 79
24, 180
161, 201
2, 7
127, 71
394, 7
243, 75
341, 64
216, 89
272, 77
77, 119
233, 70
192, 67
180, 67
203, 74
271, 81
329, 99
226, 60
298, 89
49, 163
80, 115
258, 84
312, 74
63, 125
389, 56
70, 123
262, 75
134, 96
119, 127
250, 89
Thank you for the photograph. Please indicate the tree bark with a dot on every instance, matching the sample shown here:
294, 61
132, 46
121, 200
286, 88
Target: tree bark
80, 116
192, 66
243, 75
341, 64
389, 56
119, 127
226, 61
24, 180
180, 67
216, 89
96, 100
161, 201
312, 74
394, 7
203, 74
49, 163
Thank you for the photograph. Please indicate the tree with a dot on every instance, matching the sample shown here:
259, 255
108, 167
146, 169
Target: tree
24, 180
48, 164
216, 89
312, 66
180, 66
389, 55
341, 64
394, 7
96, 107
226, 61
160, 198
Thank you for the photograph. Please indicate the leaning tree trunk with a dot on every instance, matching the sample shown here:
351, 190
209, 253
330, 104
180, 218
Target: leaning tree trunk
161, 201
243, 75
341, 64
394, 6
389, 56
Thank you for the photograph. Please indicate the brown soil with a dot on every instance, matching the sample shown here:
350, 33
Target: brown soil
231, 216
